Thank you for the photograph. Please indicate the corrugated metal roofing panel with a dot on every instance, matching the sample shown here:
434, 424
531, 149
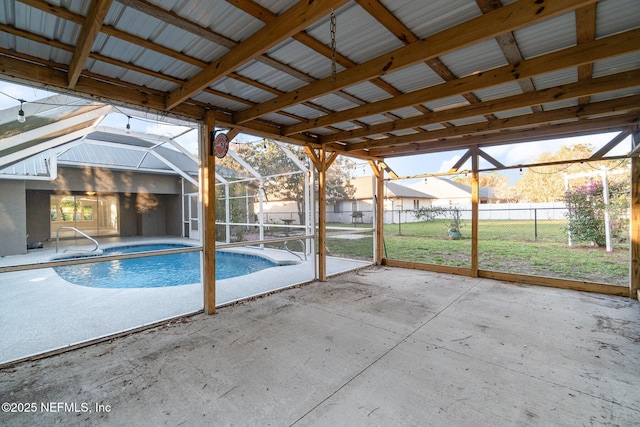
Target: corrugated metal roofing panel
242, 90
413, 78
221, 16
557, 78
277, 6
219, 101
617, 64
34, 20
368, 92
435, 126
205, 50
121, 50
280, 118
547, 36
406, 112
303, 111
270, 76
403, 132
446, 103
36, 165
42, 51
615, 94
615, 16
425, 18
513, 113
375, 119
469, 120
560, 104
476, 58
333, 102
322, 131
495, 92
303, 58
345, 126
359, 36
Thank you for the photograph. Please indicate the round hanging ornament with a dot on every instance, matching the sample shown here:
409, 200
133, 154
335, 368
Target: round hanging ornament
221, 145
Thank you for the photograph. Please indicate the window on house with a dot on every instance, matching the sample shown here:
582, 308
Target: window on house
416, 204
95, 215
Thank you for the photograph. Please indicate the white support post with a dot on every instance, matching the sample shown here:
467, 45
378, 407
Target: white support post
227, 214
607, 216
261, 216
566, 188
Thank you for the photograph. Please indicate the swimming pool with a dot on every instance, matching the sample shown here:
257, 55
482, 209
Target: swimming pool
157, 271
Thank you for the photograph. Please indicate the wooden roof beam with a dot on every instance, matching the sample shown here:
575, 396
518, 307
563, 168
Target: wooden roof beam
297, 17
90, 29
585, 32
569, 91
607, 47
563, 130
405, 35
509, 46
620, 105
508, 18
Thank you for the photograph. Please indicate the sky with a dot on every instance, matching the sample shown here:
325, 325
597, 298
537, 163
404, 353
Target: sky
509, 155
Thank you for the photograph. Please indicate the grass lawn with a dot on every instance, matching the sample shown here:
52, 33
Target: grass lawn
505, 246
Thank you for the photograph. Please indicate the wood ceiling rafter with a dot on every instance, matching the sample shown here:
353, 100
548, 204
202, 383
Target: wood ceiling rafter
364, 139
510, 49
552, 131
292, 21
585, 33
607, 47
380, 13
508, 18
627, 104
559, 93
90, 29
173, 19
53, 76
265, 15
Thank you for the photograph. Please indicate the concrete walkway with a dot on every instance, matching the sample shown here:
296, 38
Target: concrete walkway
378, 347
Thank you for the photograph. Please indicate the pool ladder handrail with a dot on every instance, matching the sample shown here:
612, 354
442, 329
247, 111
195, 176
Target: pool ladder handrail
304, 249
68, 227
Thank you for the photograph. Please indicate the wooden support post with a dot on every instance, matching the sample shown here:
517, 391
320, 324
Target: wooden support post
322, 217
208, 189
378, 172
634, 274
475, 200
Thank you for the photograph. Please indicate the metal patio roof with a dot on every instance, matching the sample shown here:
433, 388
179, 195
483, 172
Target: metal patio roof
410, 76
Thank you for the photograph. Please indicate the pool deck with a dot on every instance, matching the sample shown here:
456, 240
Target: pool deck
41, 312
376, 347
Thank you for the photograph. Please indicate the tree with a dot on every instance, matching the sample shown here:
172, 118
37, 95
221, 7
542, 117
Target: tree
499, 184
281, 183
546, 183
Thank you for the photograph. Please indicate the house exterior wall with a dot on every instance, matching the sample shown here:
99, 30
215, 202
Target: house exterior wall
109, 181
37, 217
13, 210
149, 204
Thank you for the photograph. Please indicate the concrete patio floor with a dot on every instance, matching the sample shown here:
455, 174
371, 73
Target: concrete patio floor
41, 312
381, 346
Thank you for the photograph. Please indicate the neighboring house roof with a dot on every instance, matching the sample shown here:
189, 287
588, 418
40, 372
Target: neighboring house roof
364, 190
398, 190
442, 188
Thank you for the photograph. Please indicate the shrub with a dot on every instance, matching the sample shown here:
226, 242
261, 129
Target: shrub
586, 212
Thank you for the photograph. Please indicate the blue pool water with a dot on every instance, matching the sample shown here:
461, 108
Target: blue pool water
157, 271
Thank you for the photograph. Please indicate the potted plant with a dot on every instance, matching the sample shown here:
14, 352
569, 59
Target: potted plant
455, 224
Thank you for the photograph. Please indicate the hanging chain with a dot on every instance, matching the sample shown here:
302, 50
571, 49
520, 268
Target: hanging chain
332, 29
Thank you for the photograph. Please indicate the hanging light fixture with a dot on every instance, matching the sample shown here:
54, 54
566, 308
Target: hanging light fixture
21, 117
128, 125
